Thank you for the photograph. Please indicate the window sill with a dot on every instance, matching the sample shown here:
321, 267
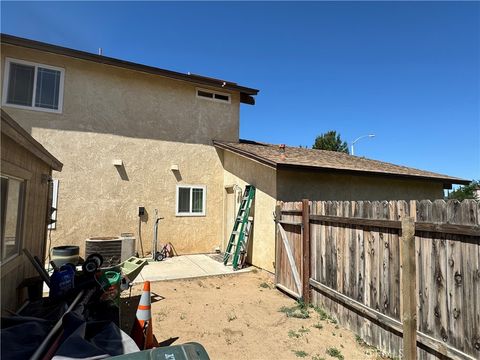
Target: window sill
190, 215
32, 108
10, 264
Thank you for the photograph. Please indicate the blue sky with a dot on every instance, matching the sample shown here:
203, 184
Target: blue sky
407, 72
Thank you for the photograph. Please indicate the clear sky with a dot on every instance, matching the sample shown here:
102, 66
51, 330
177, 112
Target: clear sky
407, 72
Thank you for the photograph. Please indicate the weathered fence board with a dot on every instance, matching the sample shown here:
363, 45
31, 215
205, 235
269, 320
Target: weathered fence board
289, 252
355, 251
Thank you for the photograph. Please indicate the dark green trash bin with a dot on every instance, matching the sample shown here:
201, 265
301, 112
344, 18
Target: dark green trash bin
188, 351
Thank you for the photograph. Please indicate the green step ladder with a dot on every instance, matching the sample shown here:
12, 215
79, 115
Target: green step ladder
238, 242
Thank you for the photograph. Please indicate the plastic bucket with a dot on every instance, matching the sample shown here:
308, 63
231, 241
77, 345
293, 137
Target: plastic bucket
111, 287
62, 255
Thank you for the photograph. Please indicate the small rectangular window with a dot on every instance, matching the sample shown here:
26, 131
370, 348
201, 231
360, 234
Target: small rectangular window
33, 86
222, 97
13, 204
205, 94
213, 95
190, 200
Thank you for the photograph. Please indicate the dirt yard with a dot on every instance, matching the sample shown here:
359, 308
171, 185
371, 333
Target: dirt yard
242, 316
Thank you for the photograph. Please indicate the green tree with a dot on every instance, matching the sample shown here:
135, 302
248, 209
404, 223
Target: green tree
465, 192
330, 141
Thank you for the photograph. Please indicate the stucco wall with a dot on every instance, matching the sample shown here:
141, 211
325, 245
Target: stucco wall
105, 99
241, 171
150, 123
99, 199
297, 185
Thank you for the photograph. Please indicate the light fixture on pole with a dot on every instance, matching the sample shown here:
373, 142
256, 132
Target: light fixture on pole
360, 137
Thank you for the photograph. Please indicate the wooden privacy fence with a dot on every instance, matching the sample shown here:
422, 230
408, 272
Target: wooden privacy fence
397, 273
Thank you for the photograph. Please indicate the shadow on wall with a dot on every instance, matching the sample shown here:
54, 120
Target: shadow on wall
250, 172
177, 174
200, 128
122, 172
250, 248
142, 218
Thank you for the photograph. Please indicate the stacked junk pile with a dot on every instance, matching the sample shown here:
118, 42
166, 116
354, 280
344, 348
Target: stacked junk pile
80, 318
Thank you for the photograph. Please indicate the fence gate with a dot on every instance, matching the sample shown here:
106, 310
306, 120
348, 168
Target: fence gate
291, 251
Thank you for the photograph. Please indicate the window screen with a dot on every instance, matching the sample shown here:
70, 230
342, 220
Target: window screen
20, 85
184, 200
197, 200
48, 88
205, 94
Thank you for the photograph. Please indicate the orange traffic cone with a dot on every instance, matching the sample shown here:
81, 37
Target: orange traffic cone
142, 331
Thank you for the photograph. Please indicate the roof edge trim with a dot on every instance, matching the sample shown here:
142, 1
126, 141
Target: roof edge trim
246, 154
246, 93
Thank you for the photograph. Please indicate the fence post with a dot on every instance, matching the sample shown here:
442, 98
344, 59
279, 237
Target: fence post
278, 217
409, 314
306, 251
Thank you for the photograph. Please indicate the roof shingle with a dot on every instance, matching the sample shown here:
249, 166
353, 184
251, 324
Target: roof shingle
312, 159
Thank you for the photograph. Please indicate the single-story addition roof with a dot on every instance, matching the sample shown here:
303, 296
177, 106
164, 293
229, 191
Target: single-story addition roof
246, 93
296, 158
14, 131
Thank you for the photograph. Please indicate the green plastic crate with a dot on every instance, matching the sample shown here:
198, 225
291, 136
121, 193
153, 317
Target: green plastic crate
188, 351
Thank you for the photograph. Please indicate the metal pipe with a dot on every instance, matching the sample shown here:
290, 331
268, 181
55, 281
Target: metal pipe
155, 235
38, 267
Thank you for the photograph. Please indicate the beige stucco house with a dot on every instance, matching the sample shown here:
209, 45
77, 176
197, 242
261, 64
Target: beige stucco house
135, 136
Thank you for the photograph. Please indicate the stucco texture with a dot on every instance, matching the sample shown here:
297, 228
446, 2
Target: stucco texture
297, 185
242, 171
150, 123
281, 185
105, 99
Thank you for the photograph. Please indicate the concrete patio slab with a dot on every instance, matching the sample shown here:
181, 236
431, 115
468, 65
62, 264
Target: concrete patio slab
184, 267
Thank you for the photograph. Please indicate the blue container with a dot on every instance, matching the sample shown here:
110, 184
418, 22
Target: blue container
62, 281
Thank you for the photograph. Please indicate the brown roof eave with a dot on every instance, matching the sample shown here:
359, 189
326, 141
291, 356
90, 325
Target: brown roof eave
83, 55
446, 182
246, 154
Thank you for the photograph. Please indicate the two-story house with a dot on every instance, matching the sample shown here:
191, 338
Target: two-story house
132, 136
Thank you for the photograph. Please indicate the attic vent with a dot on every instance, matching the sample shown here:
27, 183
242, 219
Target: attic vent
213, 95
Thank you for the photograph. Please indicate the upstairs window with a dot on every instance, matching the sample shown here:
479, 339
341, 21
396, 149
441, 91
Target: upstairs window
190, 200
213, 95
29, 85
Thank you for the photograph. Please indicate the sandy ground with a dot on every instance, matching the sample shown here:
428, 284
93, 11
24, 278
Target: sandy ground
238, 317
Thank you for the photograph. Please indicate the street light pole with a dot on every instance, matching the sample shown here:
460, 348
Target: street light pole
360, 137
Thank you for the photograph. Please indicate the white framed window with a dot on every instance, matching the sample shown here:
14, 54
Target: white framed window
213, 95
13, 205
33, 86
190, 200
